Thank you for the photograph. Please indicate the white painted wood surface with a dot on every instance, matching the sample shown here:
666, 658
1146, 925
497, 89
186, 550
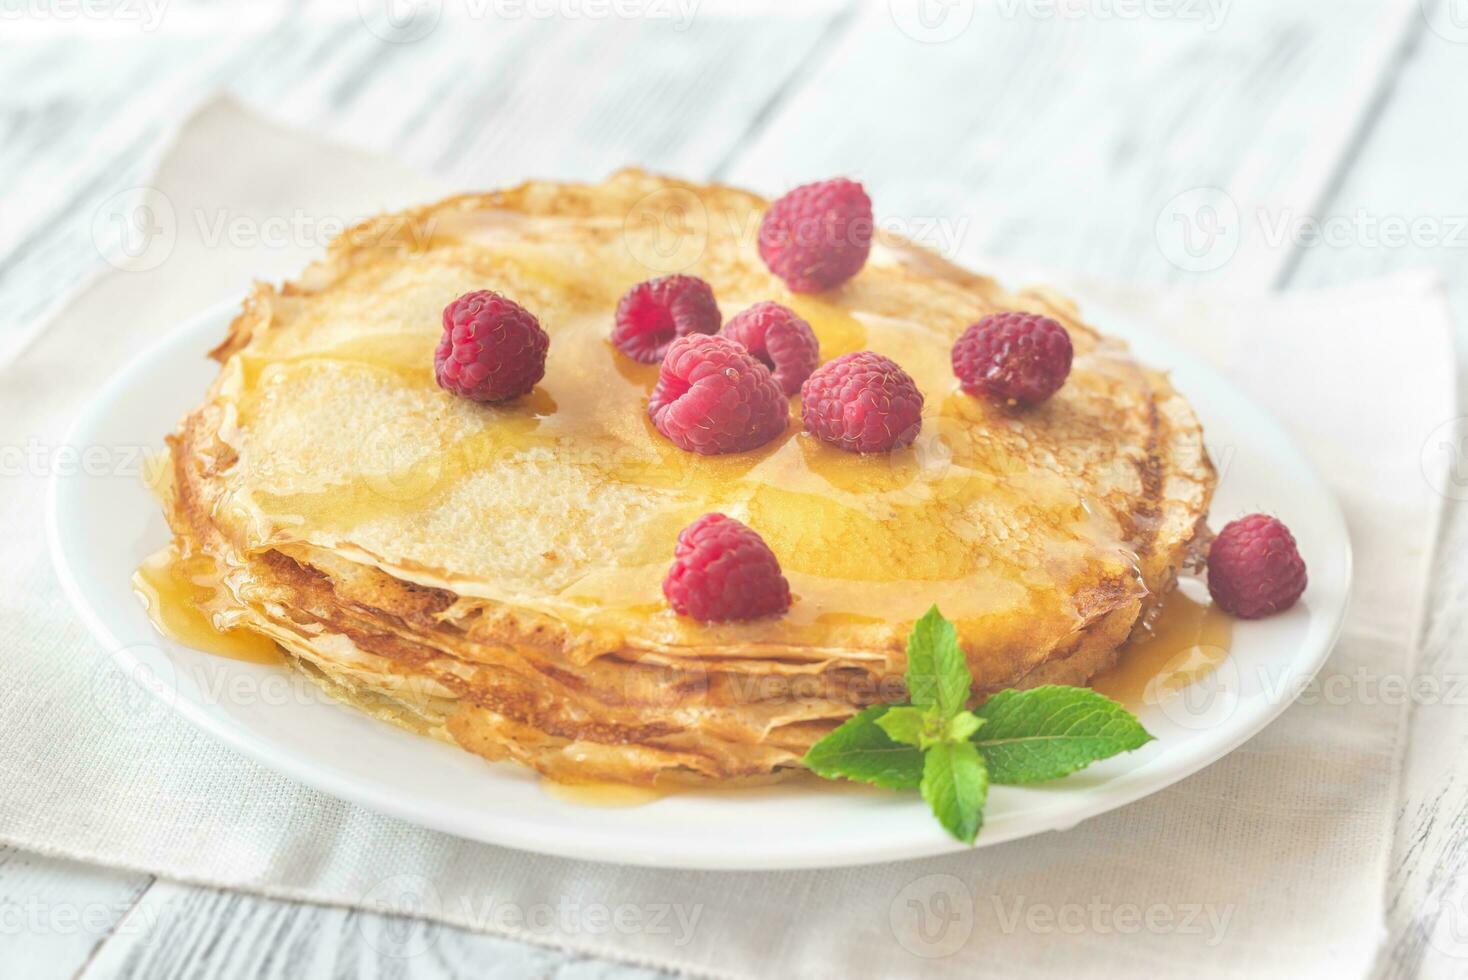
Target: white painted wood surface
1083, 143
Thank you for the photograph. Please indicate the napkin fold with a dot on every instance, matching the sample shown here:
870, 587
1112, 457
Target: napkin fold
1271, 861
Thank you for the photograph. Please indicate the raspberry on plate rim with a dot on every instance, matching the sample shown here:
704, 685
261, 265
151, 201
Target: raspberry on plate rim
1254, 568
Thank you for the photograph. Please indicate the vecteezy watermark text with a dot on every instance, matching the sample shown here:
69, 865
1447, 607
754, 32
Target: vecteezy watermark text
407, 21
146, 15
1098, 917
416, 895
937, 21
137, 229
935, 916
1209, 13
1202, 229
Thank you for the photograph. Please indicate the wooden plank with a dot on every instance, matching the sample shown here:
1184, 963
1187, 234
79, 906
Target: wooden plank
55, 914
181, 931
481, 101
491, 101
1068, 142
1404, 205
69, 148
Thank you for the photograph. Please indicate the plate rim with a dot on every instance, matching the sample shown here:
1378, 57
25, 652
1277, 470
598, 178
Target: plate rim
1149, 778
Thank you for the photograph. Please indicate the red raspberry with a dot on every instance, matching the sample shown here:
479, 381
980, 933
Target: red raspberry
492, 348
712, 397
1019, 358
652, 314
723, 570
1255, 568
863, 403
818, 236
778, 339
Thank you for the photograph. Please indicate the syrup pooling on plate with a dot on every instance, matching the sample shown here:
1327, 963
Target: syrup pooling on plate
178, 593
602, 794
1184, 643
397, 471
184, 596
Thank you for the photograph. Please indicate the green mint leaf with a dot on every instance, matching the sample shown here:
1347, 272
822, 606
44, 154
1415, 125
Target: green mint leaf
937, 673
955, 784
962, 726
1048, 732
905, 724
924, 728
859, 750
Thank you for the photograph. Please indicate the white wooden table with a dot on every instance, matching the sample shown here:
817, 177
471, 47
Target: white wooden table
1073, 135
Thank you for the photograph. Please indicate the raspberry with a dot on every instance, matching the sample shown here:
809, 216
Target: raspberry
1019, 358
780, 340
712, 397
653, 314
723, 570
863, 403
818, 236
1255, 568
492, 348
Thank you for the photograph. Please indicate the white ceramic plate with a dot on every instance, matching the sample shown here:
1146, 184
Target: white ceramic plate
103, 525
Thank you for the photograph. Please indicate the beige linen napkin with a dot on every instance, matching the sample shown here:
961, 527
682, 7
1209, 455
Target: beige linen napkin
1270, 862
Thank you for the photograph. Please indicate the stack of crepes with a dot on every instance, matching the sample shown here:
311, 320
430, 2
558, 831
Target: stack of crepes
490, 574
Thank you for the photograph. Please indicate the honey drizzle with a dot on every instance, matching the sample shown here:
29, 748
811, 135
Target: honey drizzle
773, 788
177, 593
843, 524
1185, 643
601, 794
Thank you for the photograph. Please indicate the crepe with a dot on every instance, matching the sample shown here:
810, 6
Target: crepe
490, 575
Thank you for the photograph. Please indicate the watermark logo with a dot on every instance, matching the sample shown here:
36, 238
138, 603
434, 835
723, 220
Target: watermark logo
932, 21
667, 231
932, 917
1198, 689
135, 229
134, 688
1448, 19
1199, 230
400, 21
404, 902
1445, 915
397, 468
923, 466
1445, 459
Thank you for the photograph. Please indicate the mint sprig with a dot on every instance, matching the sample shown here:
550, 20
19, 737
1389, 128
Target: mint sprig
950, 754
